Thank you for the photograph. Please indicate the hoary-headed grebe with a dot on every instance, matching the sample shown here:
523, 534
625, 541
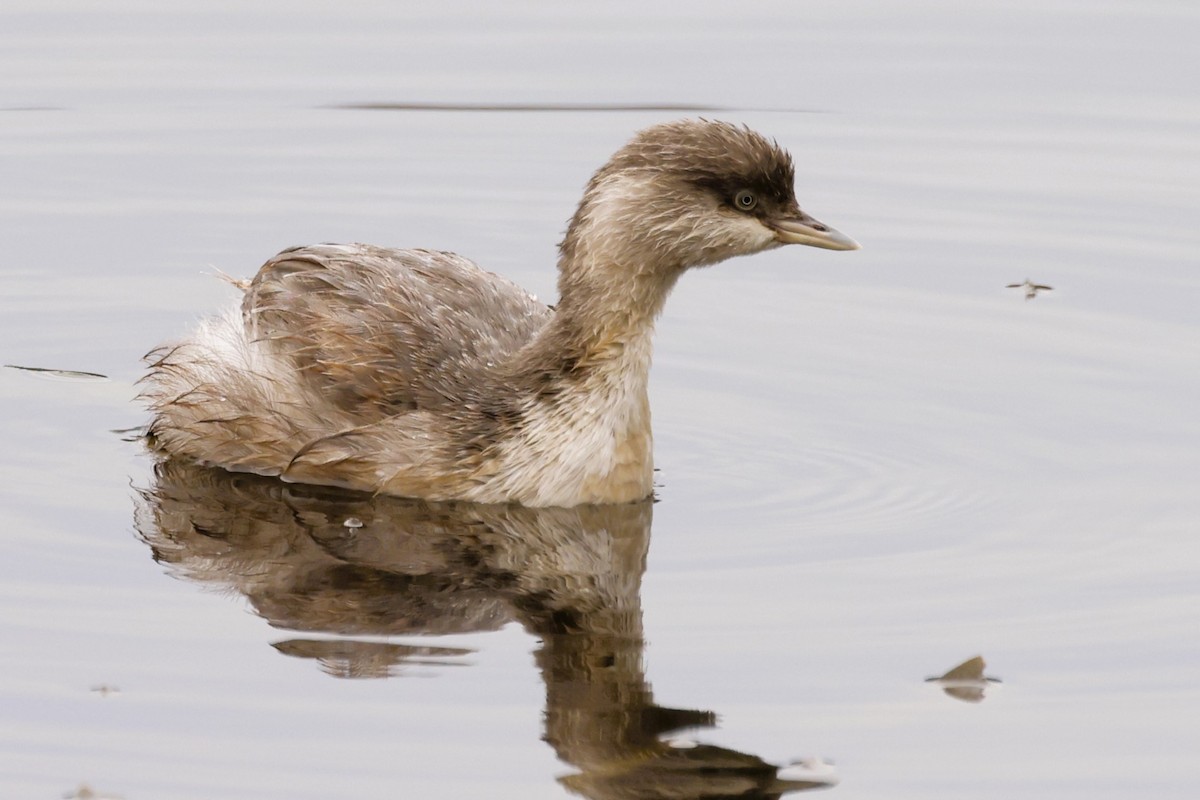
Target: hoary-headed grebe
416, 373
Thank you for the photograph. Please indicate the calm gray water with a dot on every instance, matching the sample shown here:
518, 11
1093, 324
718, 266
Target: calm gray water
874, 465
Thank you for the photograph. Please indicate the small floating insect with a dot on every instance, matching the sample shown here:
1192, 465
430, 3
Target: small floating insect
1031, 288
965, 682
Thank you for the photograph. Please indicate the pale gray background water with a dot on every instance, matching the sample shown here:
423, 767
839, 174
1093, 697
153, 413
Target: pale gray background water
874, 465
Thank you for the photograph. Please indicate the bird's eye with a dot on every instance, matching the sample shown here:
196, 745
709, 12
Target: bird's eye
745, 200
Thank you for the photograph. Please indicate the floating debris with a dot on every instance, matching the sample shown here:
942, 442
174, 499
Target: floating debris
1031, 288
965, 682
63, 374
105, 689
813, 770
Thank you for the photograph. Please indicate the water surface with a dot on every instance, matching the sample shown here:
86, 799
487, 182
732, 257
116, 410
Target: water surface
873, 465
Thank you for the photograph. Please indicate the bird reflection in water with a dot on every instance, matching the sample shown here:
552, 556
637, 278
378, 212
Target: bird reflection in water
570, 576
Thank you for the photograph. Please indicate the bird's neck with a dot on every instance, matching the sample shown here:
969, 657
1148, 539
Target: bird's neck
580, 386
614, 274
608, 303
580, 393
595, 352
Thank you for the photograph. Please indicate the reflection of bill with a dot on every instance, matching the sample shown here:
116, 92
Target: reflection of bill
965, 682
570, 576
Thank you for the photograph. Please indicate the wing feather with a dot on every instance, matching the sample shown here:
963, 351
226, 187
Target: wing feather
377, 331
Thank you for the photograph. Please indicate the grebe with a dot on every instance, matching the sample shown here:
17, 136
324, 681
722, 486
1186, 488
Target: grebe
416, 373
